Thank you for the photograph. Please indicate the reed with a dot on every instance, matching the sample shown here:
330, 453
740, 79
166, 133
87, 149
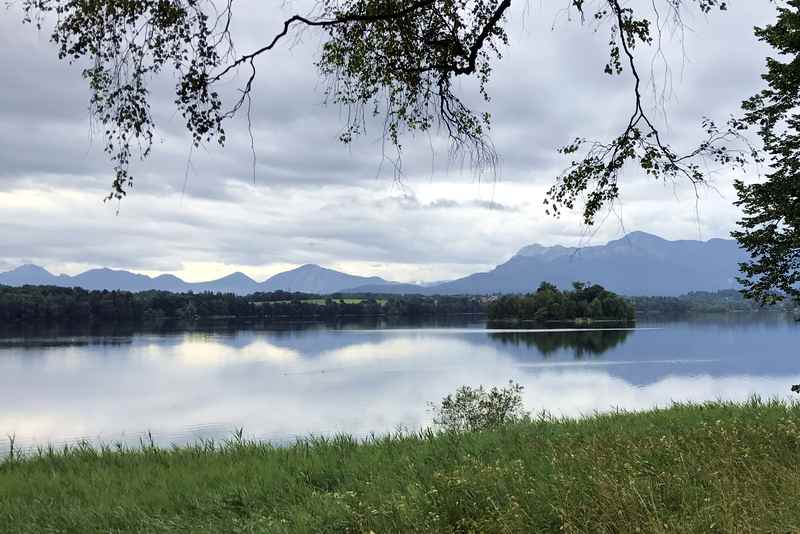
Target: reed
715, 467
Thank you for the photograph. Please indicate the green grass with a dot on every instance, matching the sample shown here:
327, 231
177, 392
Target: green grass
691, 468
322, 302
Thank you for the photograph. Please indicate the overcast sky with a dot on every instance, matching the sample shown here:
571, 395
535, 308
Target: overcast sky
313, 200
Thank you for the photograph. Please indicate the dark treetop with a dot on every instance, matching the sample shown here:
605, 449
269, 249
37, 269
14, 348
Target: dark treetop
548, 303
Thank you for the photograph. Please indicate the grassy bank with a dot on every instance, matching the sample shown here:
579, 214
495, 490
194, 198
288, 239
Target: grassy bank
710, 468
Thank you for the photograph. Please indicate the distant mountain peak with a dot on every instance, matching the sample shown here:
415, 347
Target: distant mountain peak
30, 268
28, 274
165, 277
237, 276
542, 250
312, 278
638, 238
310, 267
638, 234
531, 250
109, 270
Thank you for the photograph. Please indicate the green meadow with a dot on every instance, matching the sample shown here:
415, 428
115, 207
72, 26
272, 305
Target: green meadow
690, 468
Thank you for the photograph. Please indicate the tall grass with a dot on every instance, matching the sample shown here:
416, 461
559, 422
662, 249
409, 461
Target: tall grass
715, 467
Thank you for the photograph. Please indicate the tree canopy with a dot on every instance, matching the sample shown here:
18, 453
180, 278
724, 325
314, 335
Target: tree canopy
770, 228
549, 304
397, 60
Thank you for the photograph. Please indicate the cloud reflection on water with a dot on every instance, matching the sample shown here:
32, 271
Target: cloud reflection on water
276, 386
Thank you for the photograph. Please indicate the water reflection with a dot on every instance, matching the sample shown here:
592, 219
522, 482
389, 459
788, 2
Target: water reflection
297, 381
582, 344
27, 344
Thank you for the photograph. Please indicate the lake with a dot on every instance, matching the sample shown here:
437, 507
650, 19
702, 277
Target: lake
283, 382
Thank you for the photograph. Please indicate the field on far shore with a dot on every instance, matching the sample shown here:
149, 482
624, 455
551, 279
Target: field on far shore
323, 302
715, 467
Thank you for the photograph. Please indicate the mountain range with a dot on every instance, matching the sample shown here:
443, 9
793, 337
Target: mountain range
305, 279
637, 264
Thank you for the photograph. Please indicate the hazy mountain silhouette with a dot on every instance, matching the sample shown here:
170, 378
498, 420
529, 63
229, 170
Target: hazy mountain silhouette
316, 279
238, 283
637, 264
307, 279
114, 279
31, 275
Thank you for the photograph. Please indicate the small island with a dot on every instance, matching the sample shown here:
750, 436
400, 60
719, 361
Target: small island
585, 303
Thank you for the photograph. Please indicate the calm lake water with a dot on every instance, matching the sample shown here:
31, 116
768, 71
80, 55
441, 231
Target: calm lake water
285, 382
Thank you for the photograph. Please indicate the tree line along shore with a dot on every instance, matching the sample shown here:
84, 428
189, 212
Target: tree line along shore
585, 302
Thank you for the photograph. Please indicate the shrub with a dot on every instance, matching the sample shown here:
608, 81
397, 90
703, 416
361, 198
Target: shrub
473, 409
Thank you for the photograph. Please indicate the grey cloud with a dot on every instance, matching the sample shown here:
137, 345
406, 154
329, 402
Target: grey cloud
445, 203
314, 200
